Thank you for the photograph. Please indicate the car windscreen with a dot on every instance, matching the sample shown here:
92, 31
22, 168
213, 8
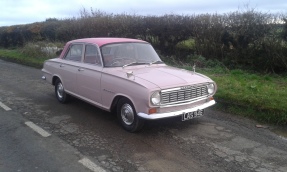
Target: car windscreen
122, 54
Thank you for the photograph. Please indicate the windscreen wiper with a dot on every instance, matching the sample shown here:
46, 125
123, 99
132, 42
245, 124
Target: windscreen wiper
157, 61
132, 63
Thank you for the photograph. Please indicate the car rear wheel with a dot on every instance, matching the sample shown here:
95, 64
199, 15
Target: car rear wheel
127, 116
60, 92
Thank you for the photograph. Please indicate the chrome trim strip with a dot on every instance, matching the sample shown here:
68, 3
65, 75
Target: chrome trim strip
185, 102
179, 88
176, 113
171, 89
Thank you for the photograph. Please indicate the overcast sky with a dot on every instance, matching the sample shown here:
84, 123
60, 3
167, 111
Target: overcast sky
14, 12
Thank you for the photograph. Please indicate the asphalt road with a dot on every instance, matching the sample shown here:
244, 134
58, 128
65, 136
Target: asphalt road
85, 138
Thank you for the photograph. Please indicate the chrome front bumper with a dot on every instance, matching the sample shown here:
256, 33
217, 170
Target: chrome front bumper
175, 113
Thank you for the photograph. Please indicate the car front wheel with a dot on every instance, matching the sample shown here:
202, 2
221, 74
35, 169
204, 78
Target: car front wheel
60, 92
127, 116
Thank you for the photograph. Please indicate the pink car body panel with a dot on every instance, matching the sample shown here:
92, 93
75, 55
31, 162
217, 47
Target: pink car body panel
100, 85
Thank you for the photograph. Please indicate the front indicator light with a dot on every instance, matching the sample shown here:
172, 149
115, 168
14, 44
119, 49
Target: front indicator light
152, 110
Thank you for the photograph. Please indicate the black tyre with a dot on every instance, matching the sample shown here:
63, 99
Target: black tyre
127, 116
61, 95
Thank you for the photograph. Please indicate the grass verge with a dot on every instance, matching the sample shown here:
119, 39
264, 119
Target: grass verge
260, 97
257, 96
17, 56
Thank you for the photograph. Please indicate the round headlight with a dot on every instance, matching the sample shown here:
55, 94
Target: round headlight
210, 88
155, 98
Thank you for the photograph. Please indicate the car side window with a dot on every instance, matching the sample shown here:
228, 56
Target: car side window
92, 55
75, 52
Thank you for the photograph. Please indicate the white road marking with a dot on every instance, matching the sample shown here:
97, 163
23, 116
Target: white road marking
90, 165
5, 107
37, 129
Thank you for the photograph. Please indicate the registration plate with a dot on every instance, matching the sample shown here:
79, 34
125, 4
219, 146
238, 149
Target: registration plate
190, 115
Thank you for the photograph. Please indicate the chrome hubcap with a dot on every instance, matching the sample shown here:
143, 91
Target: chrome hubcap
60, 90
127, 114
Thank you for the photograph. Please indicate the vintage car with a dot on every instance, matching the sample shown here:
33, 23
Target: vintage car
127, 76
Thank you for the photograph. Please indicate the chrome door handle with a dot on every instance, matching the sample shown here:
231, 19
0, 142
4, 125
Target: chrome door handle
80, 69
61, 65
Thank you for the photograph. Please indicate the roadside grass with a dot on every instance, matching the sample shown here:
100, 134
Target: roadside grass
257, 96
31, 54
17, 56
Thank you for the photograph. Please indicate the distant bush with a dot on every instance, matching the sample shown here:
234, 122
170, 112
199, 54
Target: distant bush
242, 39
41, 49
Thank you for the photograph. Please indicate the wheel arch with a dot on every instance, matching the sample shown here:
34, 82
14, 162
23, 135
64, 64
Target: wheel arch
115, 101
54, 79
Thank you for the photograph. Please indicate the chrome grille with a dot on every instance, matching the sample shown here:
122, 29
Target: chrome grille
180, 95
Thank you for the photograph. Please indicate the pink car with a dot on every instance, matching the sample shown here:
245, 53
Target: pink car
127, 75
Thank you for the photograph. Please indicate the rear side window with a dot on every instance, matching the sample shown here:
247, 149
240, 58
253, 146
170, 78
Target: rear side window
75, 52
92, 55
